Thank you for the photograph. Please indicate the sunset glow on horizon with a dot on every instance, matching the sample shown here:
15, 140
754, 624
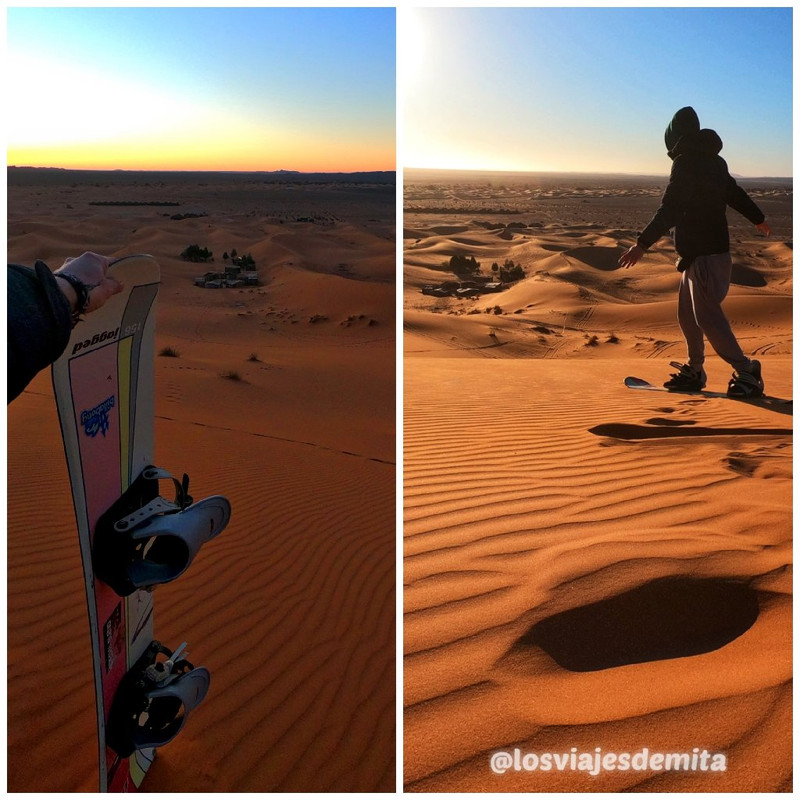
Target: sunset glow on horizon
243, 89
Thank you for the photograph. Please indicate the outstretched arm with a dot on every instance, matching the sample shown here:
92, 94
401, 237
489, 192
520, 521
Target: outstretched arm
738, 199
673, 204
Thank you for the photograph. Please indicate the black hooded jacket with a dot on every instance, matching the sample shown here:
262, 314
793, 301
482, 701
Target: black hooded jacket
699, 191
39, 323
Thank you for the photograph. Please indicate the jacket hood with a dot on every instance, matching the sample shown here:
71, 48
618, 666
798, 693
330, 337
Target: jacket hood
684, 122
684, 135
705, 141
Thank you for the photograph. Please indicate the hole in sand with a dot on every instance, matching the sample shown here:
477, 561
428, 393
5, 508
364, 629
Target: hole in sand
667, 618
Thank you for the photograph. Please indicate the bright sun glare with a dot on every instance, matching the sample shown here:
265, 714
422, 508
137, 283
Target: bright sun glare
412, 31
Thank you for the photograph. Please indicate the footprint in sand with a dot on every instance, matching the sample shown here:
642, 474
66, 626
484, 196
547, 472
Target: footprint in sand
742, 463
760, 462
664, 421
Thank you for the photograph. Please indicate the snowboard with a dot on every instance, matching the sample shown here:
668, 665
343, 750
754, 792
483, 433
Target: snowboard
640, 383
104, 389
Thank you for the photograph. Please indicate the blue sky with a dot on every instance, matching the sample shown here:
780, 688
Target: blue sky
267, 88
592, 89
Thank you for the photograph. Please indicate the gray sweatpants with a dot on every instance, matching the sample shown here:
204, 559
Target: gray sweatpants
703, 288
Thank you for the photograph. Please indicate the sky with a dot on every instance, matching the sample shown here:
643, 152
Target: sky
308, 89
592, 89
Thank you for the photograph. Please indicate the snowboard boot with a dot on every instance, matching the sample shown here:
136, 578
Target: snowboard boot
746, 384
686, 379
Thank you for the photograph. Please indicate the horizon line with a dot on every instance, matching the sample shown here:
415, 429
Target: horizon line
578, 172
232, 171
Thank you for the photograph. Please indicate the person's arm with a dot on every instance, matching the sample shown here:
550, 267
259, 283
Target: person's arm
39, 323
43, 307
673, 205
738, 199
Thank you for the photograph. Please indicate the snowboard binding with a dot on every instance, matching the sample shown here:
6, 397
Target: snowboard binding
144, 540
154, 699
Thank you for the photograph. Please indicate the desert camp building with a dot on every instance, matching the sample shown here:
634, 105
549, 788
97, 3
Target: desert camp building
231, 278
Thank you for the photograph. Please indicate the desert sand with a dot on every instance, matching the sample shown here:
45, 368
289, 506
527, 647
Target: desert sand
587, 566
281, 397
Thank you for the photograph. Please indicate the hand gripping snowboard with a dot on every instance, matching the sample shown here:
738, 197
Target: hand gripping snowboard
131, 538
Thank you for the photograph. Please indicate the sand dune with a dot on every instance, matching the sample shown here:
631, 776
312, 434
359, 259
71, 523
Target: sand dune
293, 607
587, 566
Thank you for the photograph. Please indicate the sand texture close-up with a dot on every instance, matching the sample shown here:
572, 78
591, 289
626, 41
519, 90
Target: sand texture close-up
280, 396
590, 569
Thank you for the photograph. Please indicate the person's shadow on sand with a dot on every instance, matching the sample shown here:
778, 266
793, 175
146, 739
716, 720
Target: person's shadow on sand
666, 618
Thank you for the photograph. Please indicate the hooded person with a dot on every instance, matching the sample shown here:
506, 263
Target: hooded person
694, 204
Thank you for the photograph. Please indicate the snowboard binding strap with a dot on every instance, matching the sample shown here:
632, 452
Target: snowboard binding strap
154, 699
144, 540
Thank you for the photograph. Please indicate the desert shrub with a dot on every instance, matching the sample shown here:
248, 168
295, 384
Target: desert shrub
246, 261
253, 357
169, 352
511, 272
464, 265
196, 253
231, 375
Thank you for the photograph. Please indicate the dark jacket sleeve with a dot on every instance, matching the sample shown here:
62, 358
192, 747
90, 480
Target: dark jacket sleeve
39, 323
738, 199
673, 205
